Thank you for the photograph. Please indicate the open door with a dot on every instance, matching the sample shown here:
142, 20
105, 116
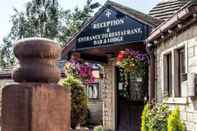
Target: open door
130, 102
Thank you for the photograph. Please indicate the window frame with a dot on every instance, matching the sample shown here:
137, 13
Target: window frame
173, 50
168, 82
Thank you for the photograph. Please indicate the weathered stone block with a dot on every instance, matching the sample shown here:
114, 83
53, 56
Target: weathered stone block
35, 107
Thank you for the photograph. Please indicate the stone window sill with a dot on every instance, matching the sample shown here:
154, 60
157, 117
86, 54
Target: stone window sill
171, 100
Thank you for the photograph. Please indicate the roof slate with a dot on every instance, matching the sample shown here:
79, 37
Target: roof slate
134, 13
167, 8
181, 16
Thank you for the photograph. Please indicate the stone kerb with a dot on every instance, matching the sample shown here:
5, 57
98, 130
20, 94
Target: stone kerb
36, 103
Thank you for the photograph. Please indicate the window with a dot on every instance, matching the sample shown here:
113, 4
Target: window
174, 72
168, 74
181, 70
93, 91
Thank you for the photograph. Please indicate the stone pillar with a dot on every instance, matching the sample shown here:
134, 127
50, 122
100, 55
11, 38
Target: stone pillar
36, 103
108, 93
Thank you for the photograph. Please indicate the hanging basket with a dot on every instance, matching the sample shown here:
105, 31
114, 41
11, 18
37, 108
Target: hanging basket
131, 61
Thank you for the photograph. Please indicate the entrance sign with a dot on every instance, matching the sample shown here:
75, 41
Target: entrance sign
112, 27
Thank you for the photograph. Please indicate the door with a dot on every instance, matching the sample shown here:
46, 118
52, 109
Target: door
130, 102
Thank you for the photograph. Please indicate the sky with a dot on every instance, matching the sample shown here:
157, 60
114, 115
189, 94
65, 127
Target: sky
6, 9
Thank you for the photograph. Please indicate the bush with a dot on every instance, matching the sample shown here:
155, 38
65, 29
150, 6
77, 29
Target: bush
144, 118
155, 119
79, 106
159, 118
98, 128
174, 121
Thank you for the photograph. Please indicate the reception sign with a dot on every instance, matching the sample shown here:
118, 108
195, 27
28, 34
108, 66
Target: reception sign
112, 27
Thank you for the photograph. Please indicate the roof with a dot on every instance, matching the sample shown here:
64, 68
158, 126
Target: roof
134, 13
142, 17
185, 17
166, 8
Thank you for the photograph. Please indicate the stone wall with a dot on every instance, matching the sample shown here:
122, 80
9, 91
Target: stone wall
188, 105
108, 95
96, 111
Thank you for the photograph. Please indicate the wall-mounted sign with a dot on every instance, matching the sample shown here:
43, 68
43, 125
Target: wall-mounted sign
112, 27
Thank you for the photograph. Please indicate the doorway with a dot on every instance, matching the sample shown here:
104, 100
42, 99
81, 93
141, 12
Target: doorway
130, 94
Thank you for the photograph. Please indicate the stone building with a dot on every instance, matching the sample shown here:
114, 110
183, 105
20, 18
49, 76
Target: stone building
113, 29
174, 48
168, 34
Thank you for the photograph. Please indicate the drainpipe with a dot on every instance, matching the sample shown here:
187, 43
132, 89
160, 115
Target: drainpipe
151, 73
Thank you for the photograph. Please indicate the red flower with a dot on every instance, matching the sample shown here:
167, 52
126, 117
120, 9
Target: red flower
120, 56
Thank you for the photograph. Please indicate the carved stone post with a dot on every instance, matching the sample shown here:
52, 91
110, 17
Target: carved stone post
36, 103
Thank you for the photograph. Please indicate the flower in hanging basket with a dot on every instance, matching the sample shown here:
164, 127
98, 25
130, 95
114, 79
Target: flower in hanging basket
120, 57
131, 61
79, 69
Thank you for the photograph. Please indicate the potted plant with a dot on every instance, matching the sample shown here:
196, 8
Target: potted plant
78, 74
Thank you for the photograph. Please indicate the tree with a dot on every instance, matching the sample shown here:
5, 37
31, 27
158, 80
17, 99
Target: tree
44, 18
78, 18
6, 57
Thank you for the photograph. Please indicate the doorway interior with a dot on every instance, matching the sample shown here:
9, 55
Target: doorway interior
130, 99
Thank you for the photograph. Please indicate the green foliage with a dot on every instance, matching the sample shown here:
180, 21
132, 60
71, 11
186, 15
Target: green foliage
144, 118
98, 128
6, 54
79, 106
72, 81
159, 118
79, 17
174, 121
155, 119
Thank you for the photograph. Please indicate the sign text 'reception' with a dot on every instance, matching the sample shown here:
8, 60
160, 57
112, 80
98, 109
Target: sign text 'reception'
112, 27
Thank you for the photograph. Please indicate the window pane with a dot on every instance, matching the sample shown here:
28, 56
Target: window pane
169, 74
181, 70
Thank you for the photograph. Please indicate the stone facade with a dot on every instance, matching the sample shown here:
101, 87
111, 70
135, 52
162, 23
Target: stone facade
96, 111
108, 93
187, 104
96, 106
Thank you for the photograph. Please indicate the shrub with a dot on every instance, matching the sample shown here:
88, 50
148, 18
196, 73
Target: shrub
79, 106
71, 81
155, 119
174, 121
98, 128
158, 117
145, 118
